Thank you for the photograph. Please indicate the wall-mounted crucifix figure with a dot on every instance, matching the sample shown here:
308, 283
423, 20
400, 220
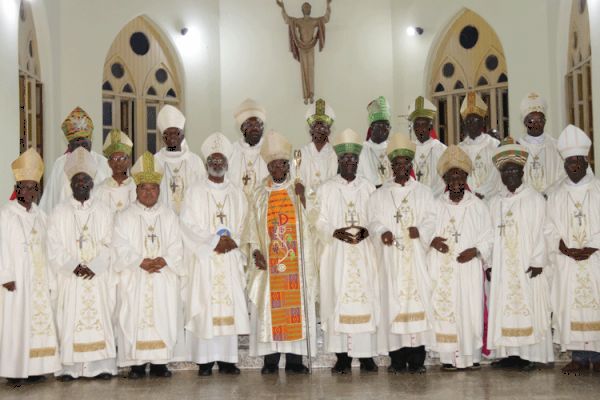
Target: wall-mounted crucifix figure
304, 34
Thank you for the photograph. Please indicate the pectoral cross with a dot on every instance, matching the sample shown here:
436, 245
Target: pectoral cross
398, 215
456, 236
246, 179
152, 236
579, 215
536, 163
173, 186
502, 226
381, 169
350, 216
221, 216
419, 175
80, 242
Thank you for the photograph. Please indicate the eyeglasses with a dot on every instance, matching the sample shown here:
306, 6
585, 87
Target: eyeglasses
119, 158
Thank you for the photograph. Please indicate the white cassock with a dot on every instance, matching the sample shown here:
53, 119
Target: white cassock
426, 159
114, 196
149, 303
573, 215
484, 179
374, 164
81, 234
217, 312
246, 169
58, 187
181, 170
28, 340
406, 312
349, 292
316, 167
457, 297
257, 236
544, 165
519, 306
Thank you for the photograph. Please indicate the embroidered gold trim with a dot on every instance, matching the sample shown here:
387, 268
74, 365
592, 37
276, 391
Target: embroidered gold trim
517, 332
223, 321
355, 319
410, 317
42, 352
442, 338
585, 326
150, 345
87, 347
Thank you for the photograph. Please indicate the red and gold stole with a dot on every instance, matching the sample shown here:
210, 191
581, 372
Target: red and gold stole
284, 272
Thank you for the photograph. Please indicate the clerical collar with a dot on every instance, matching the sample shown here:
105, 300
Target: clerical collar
425, 143
155, 207
272, 185
504, 192
246, 146
343, 181
113, 183
477, 140
86, 204
176, 154
406, 184
378, 146
584, 181
20, 208
535, 139
216, 185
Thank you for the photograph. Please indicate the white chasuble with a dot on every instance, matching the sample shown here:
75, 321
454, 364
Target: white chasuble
28, 339
425, 163
316, 167
149, 302
406, 312
573, 215
544, 164
114, 196
519, 306
58, 186
349, 286
247, 169
81, 234
374, 164
484, 179
457, 297
181, 169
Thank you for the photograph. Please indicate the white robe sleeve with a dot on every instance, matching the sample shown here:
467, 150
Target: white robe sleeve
101, 263
426, 225
538, 251
7, 272
172, 252
59, 256
324, 228
124, 251
195, 232
485, 239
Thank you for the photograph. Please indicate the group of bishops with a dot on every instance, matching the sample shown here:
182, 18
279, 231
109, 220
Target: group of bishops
391, 246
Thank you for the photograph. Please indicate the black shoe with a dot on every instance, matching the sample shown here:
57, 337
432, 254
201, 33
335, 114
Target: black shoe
228, 369
269, 369
103, 376
368, 365
137, 372
66, 378
341, 367
449, 367
36, 378
160, 371
417, 370
395, 369
508, 362
527, 366
16, 382
296, 368
475, 366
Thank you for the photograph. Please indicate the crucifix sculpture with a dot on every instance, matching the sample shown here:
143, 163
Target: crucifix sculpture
304, 34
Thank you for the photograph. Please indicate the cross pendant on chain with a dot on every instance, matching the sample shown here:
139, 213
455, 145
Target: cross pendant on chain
398, 216
580, 215
456, 236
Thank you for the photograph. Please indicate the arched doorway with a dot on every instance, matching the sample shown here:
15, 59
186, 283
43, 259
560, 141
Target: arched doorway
31, 89
578, 79
468, 57
140, 75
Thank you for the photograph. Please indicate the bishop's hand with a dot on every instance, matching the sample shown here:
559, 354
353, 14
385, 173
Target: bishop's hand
259, 260
362, 234
225, 245
413, 232
439, 244
534, 271
10, 286
481, 197
387, 238
467, 255
343, 235
82, 271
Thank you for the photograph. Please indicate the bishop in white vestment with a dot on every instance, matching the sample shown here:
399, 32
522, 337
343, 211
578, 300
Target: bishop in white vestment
147, 251
77, 128
545, 165
276, 289
401, 220
428, 149
247, 169
462, 242
79, 239
182, 168
348, 274
573, 241
519, 305
374, 164
28, 339
212, 219
117, 191
484, 180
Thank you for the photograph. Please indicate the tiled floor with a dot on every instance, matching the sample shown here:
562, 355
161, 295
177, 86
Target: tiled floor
547, 383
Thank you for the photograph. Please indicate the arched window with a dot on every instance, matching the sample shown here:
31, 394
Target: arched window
468, 57
578, 80
140, 75
31, 105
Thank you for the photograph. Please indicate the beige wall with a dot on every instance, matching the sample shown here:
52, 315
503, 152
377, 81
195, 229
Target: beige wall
240, 49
